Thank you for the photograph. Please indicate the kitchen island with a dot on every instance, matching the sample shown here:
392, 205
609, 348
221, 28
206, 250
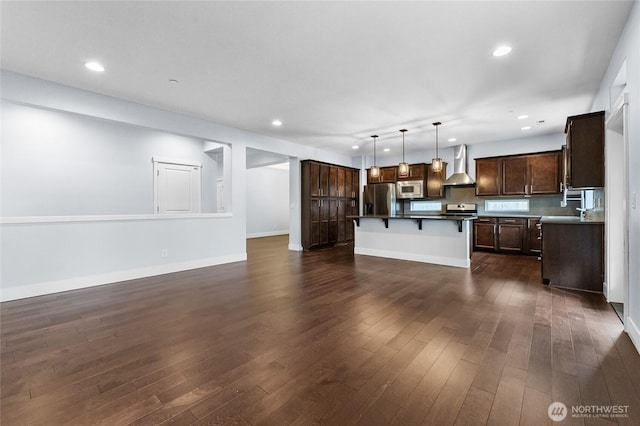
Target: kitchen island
573, 253
439, 239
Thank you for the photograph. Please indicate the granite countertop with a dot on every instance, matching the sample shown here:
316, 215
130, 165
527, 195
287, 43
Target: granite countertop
415, 217
569, 220
522, 215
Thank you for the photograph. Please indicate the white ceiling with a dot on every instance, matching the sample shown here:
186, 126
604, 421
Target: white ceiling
333, 72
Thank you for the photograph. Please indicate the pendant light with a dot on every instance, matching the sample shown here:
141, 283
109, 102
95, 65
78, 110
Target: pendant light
375, 170
403, 168
436, 163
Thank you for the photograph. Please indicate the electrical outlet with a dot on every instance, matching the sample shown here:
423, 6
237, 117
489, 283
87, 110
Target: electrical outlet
164, 253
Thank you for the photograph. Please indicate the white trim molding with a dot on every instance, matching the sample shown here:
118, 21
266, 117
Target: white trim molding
76, 283
268, 233
108, 218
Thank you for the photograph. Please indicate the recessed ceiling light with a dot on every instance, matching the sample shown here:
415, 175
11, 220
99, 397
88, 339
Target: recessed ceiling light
355, 147
502, 50
387, 149
173, 81
94, 66
452, 139
526, 127
523, 116
277, 123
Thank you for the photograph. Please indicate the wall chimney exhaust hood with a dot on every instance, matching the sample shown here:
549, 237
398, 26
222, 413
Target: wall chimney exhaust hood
459, 176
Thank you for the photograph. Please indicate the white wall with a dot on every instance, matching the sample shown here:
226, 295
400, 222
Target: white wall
57, 163
628, 49
47, 255
267, 202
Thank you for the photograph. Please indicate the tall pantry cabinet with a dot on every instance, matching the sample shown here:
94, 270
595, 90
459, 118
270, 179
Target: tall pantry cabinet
330, 193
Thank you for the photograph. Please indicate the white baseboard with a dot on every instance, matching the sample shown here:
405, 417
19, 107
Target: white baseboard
39, 289
446, 261
295, 247
633, 331
268, 234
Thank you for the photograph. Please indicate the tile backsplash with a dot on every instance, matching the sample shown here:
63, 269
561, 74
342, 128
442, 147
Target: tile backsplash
539, 205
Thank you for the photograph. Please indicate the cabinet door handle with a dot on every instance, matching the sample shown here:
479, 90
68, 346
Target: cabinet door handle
561, 185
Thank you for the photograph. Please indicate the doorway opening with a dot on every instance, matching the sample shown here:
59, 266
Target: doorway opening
616, 288
268, 195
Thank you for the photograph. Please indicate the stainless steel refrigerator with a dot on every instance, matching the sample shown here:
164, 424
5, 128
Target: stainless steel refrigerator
380, 199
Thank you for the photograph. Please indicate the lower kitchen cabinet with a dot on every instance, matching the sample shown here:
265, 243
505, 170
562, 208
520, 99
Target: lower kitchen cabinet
511, 235
533, 236
484, 235
573, 255
506, 235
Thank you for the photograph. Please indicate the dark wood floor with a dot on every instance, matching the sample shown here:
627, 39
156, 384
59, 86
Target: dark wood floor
323, 337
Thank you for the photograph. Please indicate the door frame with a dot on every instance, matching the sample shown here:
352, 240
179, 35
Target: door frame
618, 123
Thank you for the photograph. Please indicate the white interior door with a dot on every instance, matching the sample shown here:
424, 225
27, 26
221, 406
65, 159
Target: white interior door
177, 188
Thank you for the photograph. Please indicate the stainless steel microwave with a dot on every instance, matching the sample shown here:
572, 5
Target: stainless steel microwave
410, 189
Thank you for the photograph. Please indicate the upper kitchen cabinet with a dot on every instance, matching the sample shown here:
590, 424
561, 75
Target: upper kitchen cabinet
527, 174
435, 182
488, 172
584, 162
515, 175
387, 175
416, 172
318, 179
545, 173
533, 174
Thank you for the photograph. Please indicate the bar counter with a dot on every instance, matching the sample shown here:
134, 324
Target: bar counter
439, 239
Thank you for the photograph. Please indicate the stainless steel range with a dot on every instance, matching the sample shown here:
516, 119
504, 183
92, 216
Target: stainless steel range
461, 209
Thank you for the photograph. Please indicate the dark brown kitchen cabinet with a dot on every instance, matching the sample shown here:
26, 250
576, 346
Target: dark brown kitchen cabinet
532, 174
333, 181
511, 235
484, 235
526, 174
355, 184
372, 179
507, 235
584, 165
342, 183
515, 176
533, 236
388, 174
329, 194
545, 173
488, 173
416, 172
573, 255
318, 221
435, 182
